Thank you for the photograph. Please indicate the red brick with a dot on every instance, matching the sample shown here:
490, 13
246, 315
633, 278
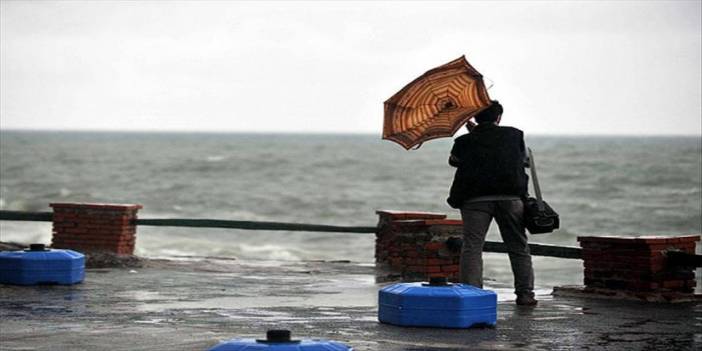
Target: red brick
435, 245
402, 215
411, 253
415, 261
688, 238
450, 268
604, 239
76, 230
646, 286
405, 247
648, 259
433, 269
91, 241
111, 231
607, 265
420, 269
638, 240
453, 222
408, 226
396, 262
96, 206
438, 261
593, 245
64, 216
670, 275
424, 269
660, 247
673, 284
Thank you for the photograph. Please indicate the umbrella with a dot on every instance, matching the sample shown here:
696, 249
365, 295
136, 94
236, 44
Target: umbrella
435, 105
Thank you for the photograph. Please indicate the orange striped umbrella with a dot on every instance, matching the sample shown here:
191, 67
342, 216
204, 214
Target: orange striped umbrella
435, 105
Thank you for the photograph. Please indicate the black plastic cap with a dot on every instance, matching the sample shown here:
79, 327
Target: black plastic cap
37, 247
438, 281
278, 335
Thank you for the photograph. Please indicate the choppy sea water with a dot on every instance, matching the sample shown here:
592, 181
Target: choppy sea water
599, 185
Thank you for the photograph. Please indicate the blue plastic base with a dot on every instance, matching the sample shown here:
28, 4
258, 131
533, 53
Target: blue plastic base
46, 277
437, 319
454, 306
28, 267
304, 345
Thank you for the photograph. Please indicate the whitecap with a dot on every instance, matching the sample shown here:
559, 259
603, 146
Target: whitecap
689, 191
268, 251
169, 252
216, 158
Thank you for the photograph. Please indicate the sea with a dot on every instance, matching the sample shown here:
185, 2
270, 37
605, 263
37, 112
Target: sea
613, 185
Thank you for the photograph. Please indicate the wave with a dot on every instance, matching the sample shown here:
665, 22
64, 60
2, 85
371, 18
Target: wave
215, 158
601, 185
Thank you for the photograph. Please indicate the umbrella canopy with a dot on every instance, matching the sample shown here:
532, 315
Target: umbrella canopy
435, 105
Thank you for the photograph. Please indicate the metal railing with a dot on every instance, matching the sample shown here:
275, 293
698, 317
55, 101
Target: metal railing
674, 257
490, 246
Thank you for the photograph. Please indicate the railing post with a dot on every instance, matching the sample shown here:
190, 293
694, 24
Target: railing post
87, 227
637, 264
412, 245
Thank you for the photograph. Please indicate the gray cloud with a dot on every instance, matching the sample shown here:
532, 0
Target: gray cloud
559, 68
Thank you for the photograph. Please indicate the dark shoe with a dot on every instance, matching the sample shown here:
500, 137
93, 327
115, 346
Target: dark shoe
526, 300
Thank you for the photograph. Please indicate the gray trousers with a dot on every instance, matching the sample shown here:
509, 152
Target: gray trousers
509, 215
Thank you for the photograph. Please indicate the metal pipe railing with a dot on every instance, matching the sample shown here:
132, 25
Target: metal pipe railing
253, 225
490, 246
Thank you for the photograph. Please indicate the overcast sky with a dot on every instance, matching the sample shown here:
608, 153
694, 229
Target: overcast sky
582, 67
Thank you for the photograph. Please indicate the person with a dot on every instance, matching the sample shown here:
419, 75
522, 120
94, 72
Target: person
491, 182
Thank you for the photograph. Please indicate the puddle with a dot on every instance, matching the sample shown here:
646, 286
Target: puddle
143, 295
548, 318
262, 315
343, 291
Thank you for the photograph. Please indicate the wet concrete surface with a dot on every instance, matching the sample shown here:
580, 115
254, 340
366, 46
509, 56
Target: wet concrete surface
193, 304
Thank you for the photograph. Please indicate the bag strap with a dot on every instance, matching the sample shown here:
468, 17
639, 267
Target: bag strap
535, 179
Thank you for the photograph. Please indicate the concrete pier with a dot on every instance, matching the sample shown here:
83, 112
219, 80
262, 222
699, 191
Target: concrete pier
194, 303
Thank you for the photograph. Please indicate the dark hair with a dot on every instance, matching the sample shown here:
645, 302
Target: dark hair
490, 114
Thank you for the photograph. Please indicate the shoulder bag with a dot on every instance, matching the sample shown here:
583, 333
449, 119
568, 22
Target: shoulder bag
539, 217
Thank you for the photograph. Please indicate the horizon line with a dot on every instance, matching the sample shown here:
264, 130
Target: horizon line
254, 132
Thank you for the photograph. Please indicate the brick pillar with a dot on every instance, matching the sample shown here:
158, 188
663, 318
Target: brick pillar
412, 245
636, 264
86, 227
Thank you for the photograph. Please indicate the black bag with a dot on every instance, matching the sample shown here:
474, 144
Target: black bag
539, 217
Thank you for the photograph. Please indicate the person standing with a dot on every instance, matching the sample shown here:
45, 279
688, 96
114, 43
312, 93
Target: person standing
490, 182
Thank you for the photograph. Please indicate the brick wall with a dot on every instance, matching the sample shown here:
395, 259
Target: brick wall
412, 245
86, 227
636, 263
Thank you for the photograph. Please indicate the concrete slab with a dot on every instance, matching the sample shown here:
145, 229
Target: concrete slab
193, 304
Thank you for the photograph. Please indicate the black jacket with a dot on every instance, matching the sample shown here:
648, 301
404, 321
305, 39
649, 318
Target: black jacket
490, 161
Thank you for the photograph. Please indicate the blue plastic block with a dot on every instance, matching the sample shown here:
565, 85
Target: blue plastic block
442, 306
279, 340
41, 266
